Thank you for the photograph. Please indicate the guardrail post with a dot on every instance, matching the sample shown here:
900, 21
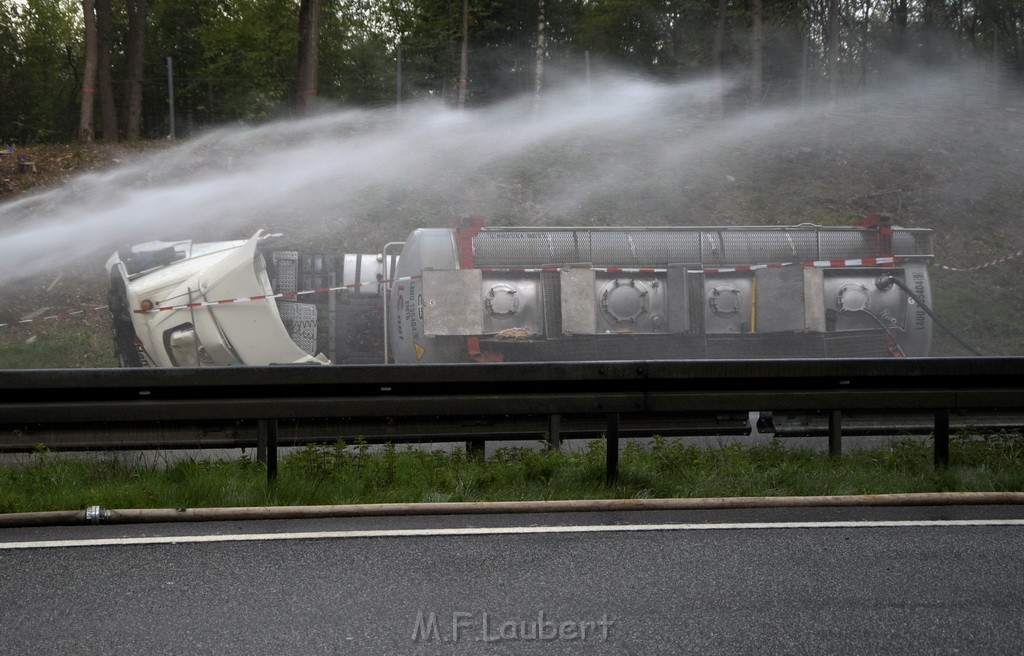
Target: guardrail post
476, 448
942, 438
555, 431
835, 433
266, 442
612, 449
261, 443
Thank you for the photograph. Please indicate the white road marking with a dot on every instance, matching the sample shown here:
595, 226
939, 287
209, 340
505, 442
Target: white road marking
509, 530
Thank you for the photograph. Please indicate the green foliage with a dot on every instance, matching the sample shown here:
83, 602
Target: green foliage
360, 70
10, 46
250, 58
634, 33
500, 48
340, 473
236, 60
178, 34
40, 70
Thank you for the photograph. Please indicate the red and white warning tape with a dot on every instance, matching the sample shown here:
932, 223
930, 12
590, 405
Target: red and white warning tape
819, 264
812, 264
870, 261
1000, 260
54, 317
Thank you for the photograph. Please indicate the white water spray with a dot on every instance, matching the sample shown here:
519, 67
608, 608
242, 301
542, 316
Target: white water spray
625, 151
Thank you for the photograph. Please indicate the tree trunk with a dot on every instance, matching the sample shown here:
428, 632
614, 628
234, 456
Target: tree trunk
718, 40
864, 51
928, 27
833, 50
108, 112
309, 55
464, 59
716, 105
757, 53
136, 48
899, 19
538, 80
85, 119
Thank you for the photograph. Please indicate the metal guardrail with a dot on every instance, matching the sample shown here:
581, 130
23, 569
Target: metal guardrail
612, 391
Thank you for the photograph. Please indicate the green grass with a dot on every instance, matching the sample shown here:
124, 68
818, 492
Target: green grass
974, 304
45, 345
340, 474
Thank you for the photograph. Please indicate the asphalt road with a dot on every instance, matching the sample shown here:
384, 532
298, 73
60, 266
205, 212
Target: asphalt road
604, 583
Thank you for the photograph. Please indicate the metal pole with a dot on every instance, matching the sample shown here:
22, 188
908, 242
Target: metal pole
389, 273
261, 443
398, 76
460, 103
586, 59
835, 433
476, 448
612, 451
942, 438
170, 93
332, 318
555, 431
267, 435
271, 450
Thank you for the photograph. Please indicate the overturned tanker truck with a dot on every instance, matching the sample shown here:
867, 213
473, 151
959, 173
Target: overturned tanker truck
489, 294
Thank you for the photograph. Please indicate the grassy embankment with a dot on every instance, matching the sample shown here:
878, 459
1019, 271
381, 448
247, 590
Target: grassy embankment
50, 345
661, 469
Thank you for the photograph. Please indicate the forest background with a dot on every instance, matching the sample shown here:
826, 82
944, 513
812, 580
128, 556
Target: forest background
252, 60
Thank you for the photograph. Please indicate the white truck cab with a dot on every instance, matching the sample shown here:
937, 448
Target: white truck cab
181, 304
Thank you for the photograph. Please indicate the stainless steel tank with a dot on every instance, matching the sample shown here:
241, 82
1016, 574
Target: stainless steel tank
568, 293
